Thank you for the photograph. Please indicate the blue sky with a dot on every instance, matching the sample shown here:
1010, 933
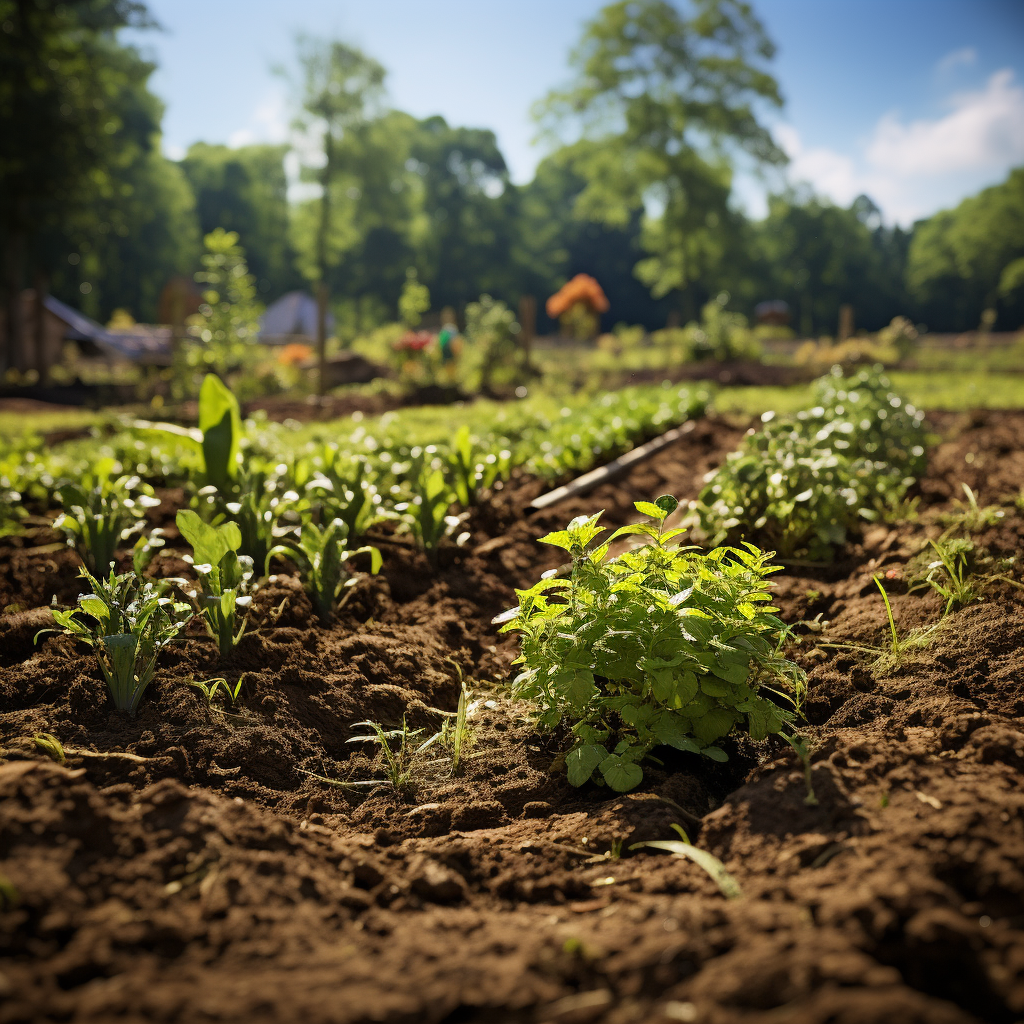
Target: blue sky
918, 103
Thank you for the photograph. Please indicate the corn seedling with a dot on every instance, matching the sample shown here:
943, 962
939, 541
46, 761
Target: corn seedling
224, 576
100, 513
322, 554
127, 622
970, 516
682, 847
209, 687
663, 645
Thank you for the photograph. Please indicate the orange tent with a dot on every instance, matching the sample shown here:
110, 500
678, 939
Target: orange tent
582, 288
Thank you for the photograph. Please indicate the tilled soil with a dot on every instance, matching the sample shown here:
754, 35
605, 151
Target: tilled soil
194, 863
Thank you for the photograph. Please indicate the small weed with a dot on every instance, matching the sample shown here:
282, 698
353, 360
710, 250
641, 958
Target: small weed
949, 575
50, 746
803, 751
890, 656
397, 761
969, 516
209, 688
682, 847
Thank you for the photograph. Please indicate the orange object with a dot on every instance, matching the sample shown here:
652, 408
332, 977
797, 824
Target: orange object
582, 288
294, 353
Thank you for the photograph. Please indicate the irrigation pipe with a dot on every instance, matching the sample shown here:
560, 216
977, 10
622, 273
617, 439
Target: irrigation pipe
616, 468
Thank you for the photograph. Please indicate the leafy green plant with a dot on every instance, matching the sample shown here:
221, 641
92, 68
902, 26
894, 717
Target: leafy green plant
471, 468
220, 423
127, 622
950, 576
661, 645
210, 687
801, 482
322, 554
101, 512
344, 493
224, 576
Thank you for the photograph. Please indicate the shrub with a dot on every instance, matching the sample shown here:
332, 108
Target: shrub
661, 645
127, 622
800, 482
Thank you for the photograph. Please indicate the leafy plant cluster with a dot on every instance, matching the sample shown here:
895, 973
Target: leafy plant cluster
802, 481
662, 645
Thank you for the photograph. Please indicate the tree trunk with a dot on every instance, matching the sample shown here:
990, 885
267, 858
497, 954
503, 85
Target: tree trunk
41, 359
14, 258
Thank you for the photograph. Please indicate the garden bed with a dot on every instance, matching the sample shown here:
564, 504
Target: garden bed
213, 875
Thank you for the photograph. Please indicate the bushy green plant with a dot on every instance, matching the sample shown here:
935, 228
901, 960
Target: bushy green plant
661, 645
102, 511
494, 356
127, 621
322, 553
224, 576
801, 482
471, 468
721, 334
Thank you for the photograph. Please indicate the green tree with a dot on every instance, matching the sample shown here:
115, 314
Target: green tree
341, 92
246, 190
661, 106
78, 128
961, 260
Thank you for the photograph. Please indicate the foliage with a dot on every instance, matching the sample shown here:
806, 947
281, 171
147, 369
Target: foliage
969, 516
210, 687
100, 512
224, 576
801, 482
220, 422
428, 510
414, 300
961, 260
901, 334
127, 622
659, 102
661, 645
397, 762
494, 356
321, 552
225, 330
471, 468
722, 335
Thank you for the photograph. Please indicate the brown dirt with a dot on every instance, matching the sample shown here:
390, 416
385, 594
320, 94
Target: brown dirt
210, 879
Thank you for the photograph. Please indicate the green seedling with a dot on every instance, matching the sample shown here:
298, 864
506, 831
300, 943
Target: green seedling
663, 645
100, 513
220, 422
428, 511
682, 847
969, 516
473, 469
454, 735
397, 760
949, 575
803, 751
127, 622
50, 746
348, 496
224, 576
890, 656
209, 687
322, 554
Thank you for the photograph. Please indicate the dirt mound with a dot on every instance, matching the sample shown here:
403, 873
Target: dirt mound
197, 862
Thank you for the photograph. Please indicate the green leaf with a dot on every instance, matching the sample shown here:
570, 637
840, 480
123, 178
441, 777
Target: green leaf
728, 885
221, 425
581, 762
580, 689
620, 774
674, 731
209, 543
649, 508
716, 723
715, 753
667, 503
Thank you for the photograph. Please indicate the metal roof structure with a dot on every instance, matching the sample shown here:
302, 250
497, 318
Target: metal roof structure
143, 343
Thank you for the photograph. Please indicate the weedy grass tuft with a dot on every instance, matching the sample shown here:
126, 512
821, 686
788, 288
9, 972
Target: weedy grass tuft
127, 622
396, 760
970, 517
663, 645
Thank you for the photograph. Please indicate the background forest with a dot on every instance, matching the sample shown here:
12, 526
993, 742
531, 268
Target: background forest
636, 189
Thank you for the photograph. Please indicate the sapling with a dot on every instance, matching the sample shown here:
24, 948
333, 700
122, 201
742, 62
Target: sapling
224, 576
322, 554
127, 622
661, 645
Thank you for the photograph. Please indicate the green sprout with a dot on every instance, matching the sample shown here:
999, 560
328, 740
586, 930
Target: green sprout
224, 577
397, 761
428, 511
209, 688
321, 553
127, 622
970, 516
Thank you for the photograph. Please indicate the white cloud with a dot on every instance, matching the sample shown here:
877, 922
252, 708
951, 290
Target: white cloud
267, 123
911, 169
963, 57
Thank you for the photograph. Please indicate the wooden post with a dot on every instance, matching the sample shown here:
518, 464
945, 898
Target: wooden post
845, 321
40, 360
527, 324
321, 337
